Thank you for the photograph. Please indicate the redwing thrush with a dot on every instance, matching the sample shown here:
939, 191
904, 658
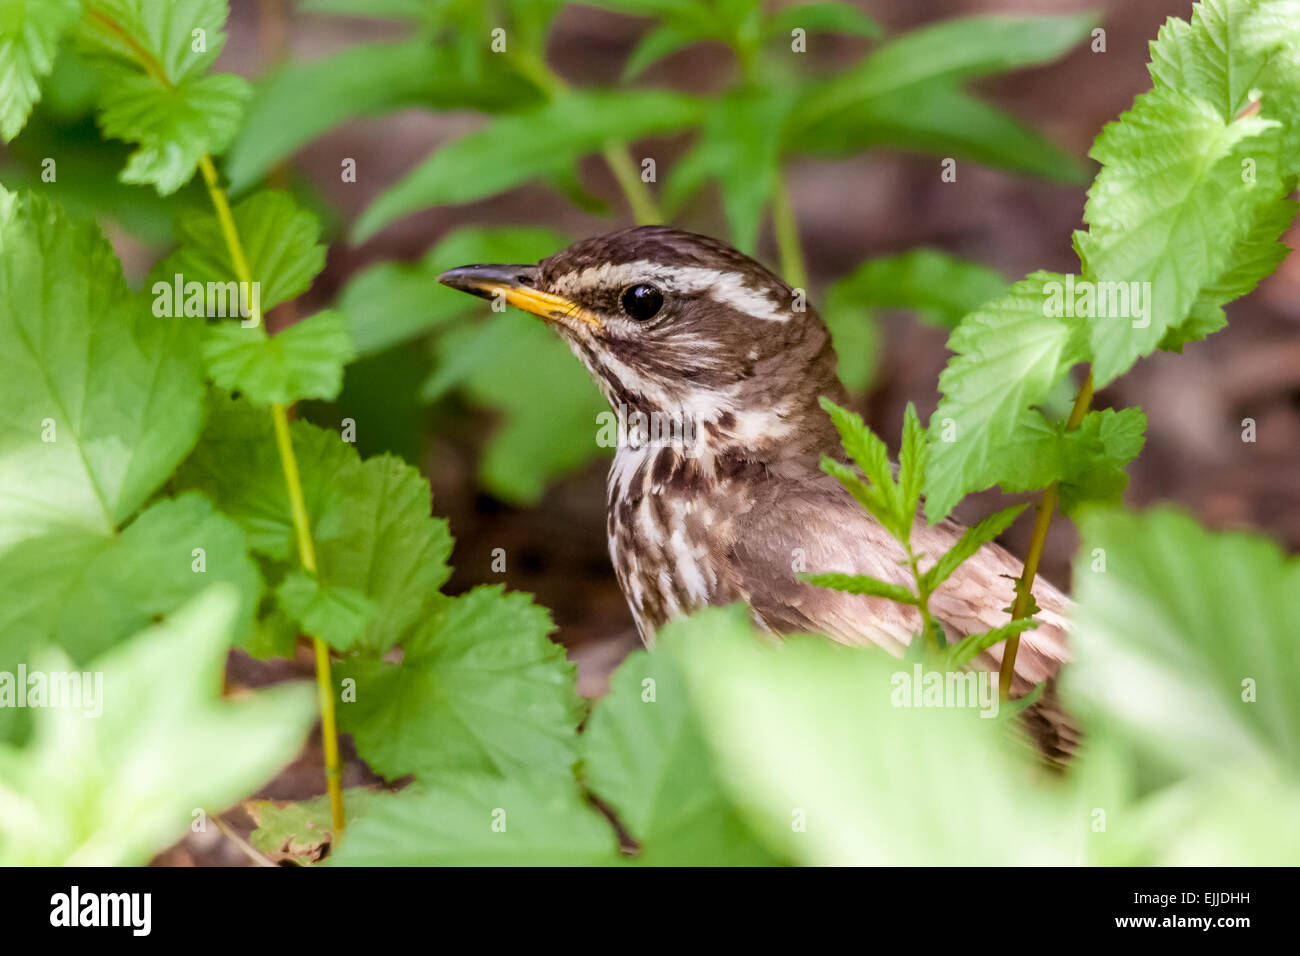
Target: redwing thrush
685, 328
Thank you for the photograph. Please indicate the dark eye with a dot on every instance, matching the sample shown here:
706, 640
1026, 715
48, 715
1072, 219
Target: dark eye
642, 302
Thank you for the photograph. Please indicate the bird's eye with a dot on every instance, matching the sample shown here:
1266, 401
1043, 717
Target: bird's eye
642, 301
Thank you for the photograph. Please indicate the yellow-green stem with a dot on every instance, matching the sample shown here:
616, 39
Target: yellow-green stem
1024, 588
228, 231
307, 554
639, 199
280, 416
297, 507
786, 228
293, 482
928, 631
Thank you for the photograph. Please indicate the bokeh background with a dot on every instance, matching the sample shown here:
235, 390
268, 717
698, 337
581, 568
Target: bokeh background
880, 203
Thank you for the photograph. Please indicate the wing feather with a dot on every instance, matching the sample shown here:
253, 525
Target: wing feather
817, 526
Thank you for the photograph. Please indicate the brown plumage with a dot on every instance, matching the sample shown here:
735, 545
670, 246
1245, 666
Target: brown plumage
729, 503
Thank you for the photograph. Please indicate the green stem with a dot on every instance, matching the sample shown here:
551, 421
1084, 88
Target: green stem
307, 554
639, 198
229, 232
280, 417
1024, 587
297, 506
929, 631
793, 269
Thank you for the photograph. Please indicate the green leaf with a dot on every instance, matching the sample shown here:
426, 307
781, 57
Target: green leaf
1207, 57
1222, 820
301, 832
1186, 643
117, 789
939, 118
912, 458
1219, 220
536, 143
480, 688
166, 31
275, 633
1088, 462
651, 8
645, 756
480, 820
856, 334
85, 592
88, 165
972, 540
370, 520
738, 146
386, 545
938, 287
883, 498
394, 302
821, 18
304, 361
1253, 258
861, 584
463, 28
101, 398
1010, 709
811, 745
957, 656
1167, 209
865, 448
515, 361
954, 50
1038, 453
1010, 353
1274, 29
568, 184
337, 615
396, 9
1107, 441
155, 91
280, 242
29, 40
175, 126
878, 502
658, 43
298, 102
237, 465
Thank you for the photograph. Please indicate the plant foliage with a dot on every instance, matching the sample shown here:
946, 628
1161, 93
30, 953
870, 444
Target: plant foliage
158, 505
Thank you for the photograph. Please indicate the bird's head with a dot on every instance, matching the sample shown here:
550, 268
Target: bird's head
679, 324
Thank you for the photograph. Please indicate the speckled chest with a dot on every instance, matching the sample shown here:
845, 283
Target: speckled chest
671, 521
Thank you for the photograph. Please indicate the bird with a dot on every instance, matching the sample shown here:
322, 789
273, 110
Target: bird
681, 329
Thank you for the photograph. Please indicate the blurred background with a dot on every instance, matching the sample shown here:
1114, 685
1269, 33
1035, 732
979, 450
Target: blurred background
409, 397
849, 210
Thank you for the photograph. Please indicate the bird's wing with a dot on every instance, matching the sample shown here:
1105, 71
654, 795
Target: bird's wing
816, 525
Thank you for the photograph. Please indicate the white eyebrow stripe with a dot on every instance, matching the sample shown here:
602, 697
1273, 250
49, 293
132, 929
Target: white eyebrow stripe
727, 288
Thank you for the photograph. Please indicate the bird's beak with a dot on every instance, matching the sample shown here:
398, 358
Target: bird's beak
517, 286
